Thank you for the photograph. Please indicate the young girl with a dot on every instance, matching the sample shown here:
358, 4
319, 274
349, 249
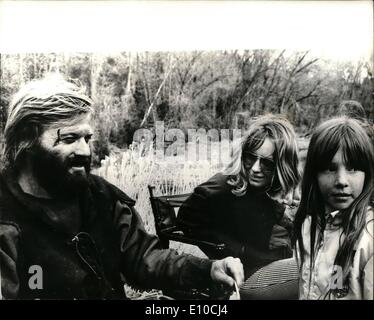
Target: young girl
333, 231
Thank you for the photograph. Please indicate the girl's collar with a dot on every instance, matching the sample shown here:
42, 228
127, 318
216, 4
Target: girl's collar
334, 219
333, 213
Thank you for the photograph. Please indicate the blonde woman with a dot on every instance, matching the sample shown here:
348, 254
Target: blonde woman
244, 205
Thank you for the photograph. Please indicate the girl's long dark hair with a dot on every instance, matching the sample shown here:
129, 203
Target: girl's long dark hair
350, 137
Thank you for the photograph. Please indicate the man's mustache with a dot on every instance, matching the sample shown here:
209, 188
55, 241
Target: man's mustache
80, 161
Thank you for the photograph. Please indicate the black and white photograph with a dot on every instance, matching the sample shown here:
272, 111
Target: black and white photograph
186, 150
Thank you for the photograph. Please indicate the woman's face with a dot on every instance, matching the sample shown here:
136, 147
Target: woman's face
340, 184
260, 165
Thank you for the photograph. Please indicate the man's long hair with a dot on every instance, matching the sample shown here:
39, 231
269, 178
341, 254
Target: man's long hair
350, 137
37, 105
286, 175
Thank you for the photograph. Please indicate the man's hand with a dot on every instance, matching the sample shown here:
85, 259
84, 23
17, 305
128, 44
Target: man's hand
226, 271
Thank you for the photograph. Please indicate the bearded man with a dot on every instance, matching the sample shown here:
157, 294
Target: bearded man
78, 232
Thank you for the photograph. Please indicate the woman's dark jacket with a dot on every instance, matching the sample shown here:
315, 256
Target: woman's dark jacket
244, 224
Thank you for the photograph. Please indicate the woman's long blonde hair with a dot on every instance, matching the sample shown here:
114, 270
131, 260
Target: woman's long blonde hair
286, 175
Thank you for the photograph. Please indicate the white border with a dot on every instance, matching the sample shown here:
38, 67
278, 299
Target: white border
340, 29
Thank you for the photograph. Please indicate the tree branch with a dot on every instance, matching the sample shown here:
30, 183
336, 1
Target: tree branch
155, 98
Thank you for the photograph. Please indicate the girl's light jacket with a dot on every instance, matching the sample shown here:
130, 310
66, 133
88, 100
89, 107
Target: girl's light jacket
325, 275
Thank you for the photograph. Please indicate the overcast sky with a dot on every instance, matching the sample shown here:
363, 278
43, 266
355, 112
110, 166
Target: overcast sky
335, 29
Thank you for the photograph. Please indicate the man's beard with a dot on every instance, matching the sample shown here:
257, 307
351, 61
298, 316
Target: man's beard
52, 172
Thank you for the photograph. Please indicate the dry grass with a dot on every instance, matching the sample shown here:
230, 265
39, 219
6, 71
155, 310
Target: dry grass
132, 172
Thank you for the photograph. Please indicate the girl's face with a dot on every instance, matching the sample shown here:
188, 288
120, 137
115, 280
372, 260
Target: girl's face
340, 184
260, 165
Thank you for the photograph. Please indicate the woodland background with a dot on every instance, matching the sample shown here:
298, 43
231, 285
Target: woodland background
191, 90
200, 89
